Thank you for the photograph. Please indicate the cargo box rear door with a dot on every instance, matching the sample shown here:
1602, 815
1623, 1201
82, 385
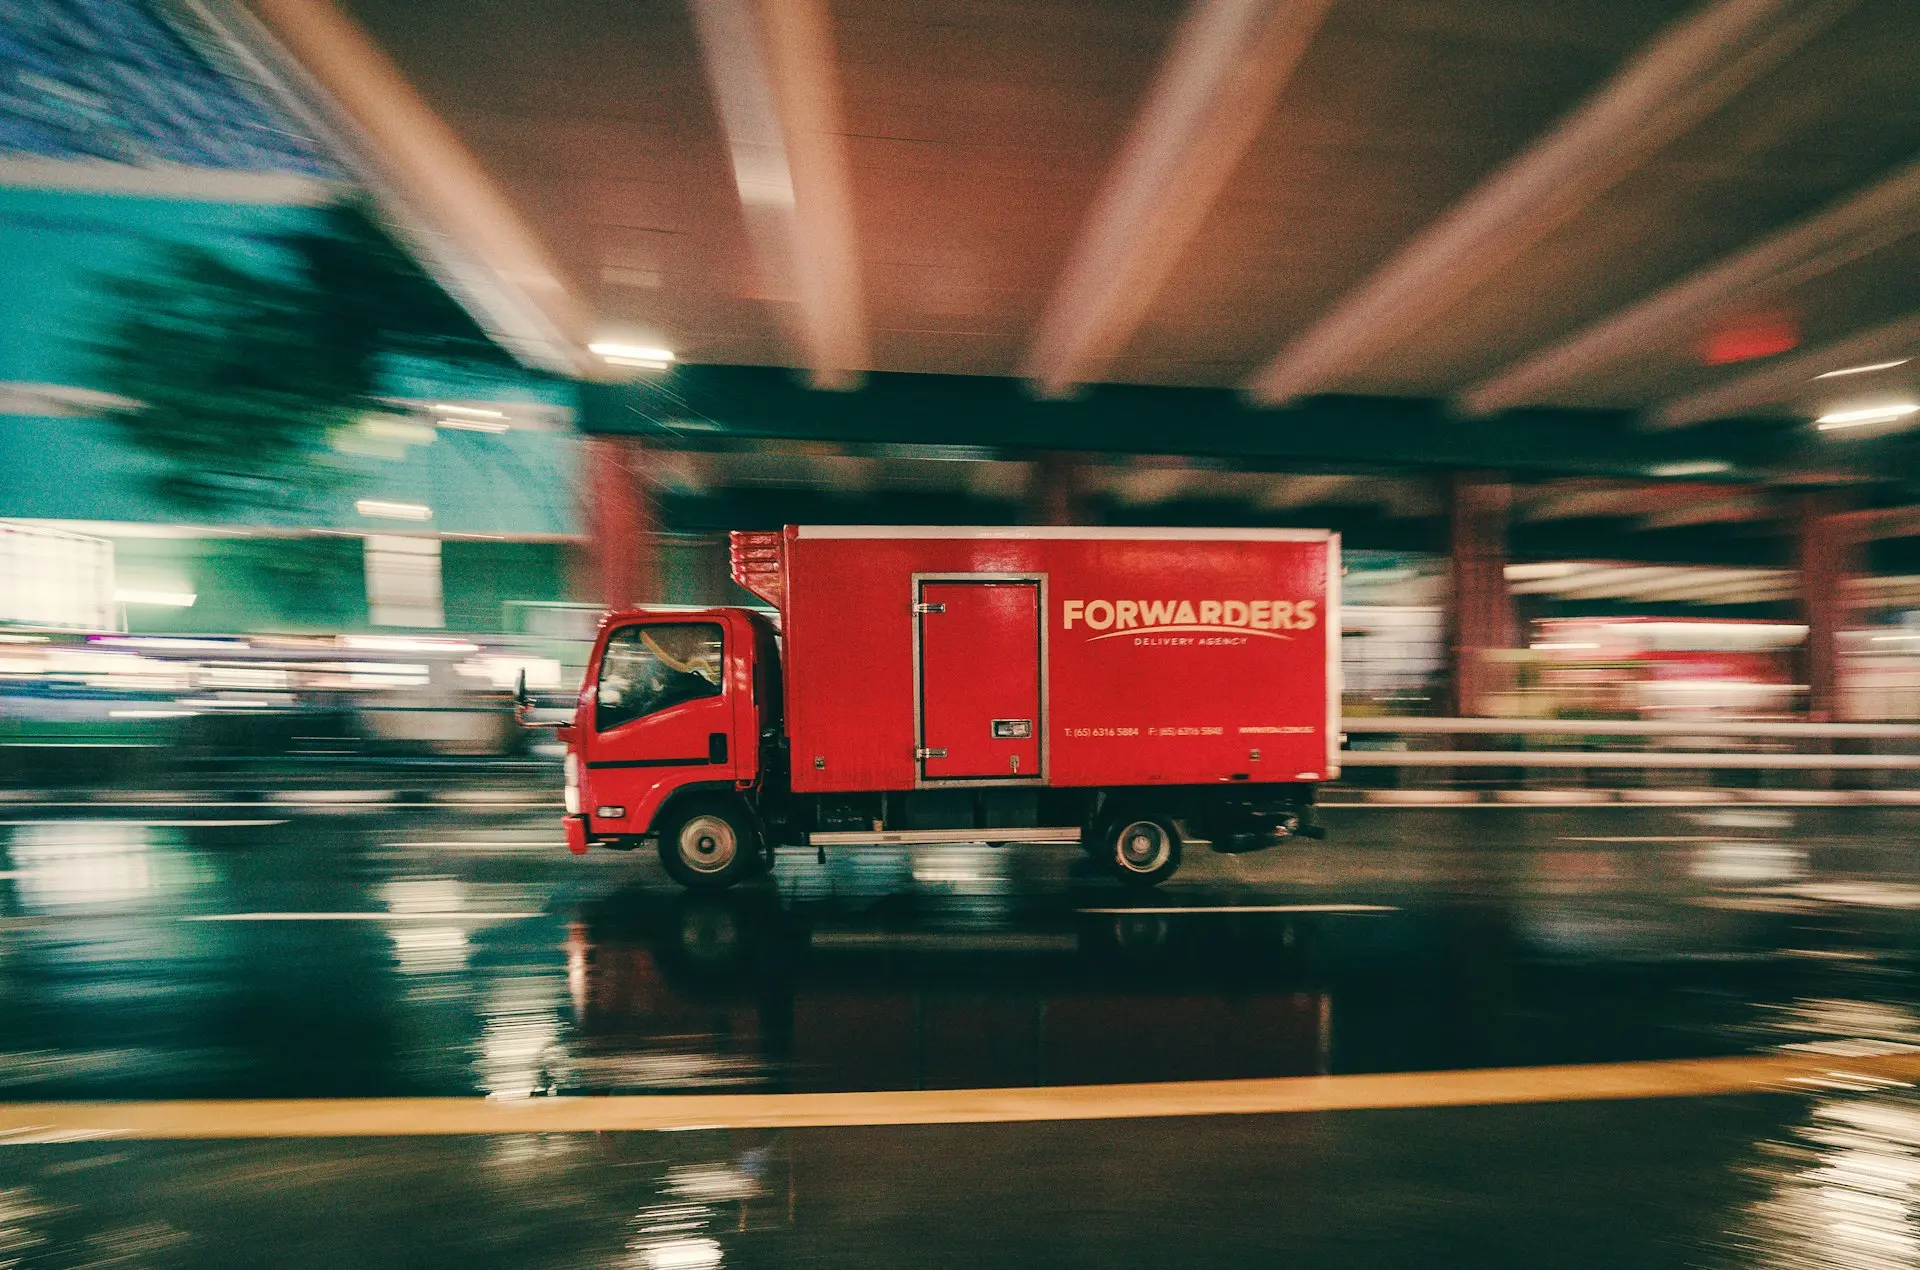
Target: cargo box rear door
980, 699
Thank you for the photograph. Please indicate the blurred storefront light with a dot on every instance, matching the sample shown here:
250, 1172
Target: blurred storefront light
157, 599
1691, 467
78, 864
409, 644
504, 671
169, 643
403, 581
50, 577
381, 509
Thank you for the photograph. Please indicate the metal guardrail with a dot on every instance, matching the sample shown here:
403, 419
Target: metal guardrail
1364, 726
1686, 760
1669, 745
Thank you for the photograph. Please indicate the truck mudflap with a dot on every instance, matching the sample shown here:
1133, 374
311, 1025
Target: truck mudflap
576, 830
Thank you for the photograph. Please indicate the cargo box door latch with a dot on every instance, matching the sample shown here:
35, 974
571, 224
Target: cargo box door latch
929, 608
928, 751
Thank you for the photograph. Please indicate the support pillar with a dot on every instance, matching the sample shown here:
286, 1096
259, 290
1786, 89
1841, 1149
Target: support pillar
1483, 618
1828, 550
1055, 494
620, 563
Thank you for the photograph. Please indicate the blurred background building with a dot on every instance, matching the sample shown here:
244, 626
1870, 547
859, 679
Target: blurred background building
1605, 381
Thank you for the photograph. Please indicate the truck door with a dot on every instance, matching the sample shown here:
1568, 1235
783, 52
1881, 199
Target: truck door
979, 680
662, 715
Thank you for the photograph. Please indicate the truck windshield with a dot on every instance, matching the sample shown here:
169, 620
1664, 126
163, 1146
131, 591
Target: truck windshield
647, 669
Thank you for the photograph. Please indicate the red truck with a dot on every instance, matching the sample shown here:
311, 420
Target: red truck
1124, 690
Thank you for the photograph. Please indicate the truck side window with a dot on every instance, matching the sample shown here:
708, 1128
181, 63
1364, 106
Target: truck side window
647, 669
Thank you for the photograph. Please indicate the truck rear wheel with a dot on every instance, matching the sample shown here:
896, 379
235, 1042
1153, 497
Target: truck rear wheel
1143, 850
708, 844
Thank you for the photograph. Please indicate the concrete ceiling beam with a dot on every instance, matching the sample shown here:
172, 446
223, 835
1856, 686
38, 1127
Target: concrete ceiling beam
771, 66
1586, 500
1714, 581
1228, 63
1693, 68
441, 203
1289, 493
1595, 584
1814, 247
1738, 591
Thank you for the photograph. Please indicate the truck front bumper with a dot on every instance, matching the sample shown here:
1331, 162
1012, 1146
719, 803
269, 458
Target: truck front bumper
576, 829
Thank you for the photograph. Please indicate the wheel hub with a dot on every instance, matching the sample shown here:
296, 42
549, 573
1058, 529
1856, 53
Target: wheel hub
707, 844
1143, 846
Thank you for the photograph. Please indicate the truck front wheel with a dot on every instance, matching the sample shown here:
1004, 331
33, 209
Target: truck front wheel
707, 844
1143, 850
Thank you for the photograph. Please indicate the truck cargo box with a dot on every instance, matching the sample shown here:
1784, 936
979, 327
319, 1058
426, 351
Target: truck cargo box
1067, 657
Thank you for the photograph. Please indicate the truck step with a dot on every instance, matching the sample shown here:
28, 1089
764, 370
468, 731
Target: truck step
928, 837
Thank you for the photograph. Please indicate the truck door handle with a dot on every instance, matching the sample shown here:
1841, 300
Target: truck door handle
716, 747
928, 751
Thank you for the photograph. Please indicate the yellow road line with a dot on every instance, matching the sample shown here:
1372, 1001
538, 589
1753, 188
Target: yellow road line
1159, 910
412, 1117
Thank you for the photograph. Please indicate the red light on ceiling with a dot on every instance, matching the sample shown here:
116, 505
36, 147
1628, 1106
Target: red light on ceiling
1746, 341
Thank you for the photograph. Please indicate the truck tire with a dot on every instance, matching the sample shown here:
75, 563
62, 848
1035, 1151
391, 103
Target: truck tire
1143, 850
708, 844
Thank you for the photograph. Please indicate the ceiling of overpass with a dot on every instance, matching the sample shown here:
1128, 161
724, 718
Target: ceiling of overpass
1689, 209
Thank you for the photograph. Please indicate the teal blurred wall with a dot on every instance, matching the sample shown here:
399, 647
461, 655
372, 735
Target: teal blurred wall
302, 568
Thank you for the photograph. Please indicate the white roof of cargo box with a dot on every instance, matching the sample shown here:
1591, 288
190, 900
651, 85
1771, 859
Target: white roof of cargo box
1063, 531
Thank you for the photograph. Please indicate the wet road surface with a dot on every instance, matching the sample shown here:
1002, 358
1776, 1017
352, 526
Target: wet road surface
223, 953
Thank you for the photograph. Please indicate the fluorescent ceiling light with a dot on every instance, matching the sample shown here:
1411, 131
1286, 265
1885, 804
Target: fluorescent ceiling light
475, 425
471, 412
1861, 370
1690, 467
393, 511
159, 599
633, 355
1869, 414
399, 430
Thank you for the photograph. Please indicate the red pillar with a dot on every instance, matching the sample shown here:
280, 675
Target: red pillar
1828, 546
1055, 496
1483, 618
621, 558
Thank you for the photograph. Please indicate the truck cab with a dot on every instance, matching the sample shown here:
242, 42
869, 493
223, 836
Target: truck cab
676, 717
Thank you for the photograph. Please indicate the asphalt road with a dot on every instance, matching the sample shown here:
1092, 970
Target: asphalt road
227, 954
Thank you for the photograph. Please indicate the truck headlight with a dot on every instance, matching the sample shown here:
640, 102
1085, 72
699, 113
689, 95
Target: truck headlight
573, 783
